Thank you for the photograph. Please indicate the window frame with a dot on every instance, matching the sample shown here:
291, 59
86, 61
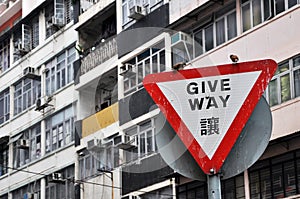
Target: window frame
24, 156
26, 92
54, 73
57, 133
291, 74
141, 135
132, 83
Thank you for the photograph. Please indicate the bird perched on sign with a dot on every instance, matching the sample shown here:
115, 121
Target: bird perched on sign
179, 66
234, 58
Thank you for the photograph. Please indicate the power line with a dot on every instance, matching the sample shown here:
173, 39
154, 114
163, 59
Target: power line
85, 182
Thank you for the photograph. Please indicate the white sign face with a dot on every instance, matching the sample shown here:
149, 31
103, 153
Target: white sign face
208, 105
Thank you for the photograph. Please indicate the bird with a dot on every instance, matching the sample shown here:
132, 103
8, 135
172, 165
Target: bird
234, 58
179, 66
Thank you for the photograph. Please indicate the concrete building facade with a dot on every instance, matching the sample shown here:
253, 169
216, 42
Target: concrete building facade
76, 122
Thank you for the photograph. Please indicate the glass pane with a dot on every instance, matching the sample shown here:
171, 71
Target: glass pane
246, 17
285, 88
154, 64
256, 12
297, 82
140, 72
292, 3
279, 5
277, 181
198, 44
209, 42
162, 61
254, 184
142, 144
289, 178
296, 61
273, 93
231, 25
267, 10
265, 183
220, 31
147, 67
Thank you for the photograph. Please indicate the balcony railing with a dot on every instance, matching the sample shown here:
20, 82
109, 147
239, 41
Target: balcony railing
99, 55
100, 120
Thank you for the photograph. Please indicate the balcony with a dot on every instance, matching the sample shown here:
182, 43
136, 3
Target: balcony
100, 120
98, 55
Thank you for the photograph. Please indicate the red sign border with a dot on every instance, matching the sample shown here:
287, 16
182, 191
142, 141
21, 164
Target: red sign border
267, 68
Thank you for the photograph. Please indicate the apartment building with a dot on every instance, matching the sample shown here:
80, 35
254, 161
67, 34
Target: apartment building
76, 122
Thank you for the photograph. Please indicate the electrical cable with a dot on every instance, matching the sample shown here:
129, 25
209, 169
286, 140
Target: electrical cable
84, 182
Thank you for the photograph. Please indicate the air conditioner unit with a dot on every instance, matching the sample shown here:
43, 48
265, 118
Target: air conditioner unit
49, 23
136, 12
181, 37
133, 197
94, 145
31, 73
127, 70
21, 49
56, 21
22, 144
43, 102
125, 142
30, 196
55, 178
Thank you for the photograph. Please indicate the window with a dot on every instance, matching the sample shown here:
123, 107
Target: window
64, 189
27, 146
232, 188
285, 84
222, 29
106, 158
255, 12
26, 38
4, 55
282, 5
25, 95
144, 134
32, 188
4, 106
60, 129
147, 6
276, 177
60, 71
57, 14
151, 60
3, 158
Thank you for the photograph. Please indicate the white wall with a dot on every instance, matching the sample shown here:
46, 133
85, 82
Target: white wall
30, 5
179, 8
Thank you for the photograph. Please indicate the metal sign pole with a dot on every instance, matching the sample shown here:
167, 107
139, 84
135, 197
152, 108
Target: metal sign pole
214, 186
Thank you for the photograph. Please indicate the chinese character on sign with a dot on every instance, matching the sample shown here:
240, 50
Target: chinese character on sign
209, 126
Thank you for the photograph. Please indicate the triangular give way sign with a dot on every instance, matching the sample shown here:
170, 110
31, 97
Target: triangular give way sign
208, 107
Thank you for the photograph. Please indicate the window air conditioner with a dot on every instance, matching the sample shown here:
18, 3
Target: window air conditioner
31, 73
125, 142
136, 12
94, 145
22, 144
55, 178
43, 102
181, 37
21, 48
127, 70
57, 21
